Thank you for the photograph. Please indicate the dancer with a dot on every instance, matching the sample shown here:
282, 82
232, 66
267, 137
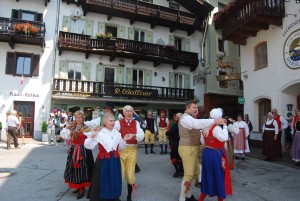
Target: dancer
240, 140
149, 133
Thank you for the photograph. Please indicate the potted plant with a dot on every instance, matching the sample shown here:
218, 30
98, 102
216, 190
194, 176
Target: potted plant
44, 131
100, 35
26, 28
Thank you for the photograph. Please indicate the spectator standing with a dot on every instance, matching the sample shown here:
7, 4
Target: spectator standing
295, 151
282, 124
21, 128
51, 129
12, 125
149, 133
248, 122
240, 141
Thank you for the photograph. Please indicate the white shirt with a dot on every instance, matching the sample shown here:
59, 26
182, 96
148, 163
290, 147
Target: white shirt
189, 122
93, 123
220, 133
284, 123
242, 124
13, 121
139, 132
268, 122
167, 122
66, 134
109, 139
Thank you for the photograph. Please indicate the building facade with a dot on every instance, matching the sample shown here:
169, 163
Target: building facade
87, 54
270, 52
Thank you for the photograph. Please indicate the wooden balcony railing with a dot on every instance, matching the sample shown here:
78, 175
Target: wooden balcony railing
46, 1
144, 12
128, 49
8, 34
247, 17
80, 88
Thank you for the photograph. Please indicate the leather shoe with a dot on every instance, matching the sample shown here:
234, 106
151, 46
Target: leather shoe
80, 195
76, 191
192, 198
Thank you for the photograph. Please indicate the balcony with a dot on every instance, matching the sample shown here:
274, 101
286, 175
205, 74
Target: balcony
90, 89
46, 1
124, 48
12, 37
243, 19
143, 12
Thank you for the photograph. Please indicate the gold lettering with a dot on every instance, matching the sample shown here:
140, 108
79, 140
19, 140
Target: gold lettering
117, 90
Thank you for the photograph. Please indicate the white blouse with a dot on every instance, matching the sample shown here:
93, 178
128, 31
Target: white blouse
242, 124
218, 132
66, 134
268, 122
109, 139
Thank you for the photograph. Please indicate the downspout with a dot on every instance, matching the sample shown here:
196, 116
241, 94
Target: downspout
202, 59
55, 49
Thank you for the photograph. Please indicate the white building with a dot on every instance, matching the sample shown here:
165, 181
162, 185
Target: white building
26, 57
149, 62
269, 33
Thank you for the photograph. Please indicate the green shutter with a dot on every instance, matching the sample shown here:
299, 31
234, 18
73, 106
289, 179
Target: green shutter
86, 69
187, 81
171, 40
130, 33
63, 69
100, 73
129, 74
101, 27
171, 80
148, 77
66, 26
186, 45
120, 76
88, 27
149, 36
120, 32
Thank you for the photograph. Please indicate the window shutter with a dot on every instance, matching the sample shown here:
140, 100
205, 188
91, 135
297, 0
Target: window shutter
129, 73
186, 45
86, 69
39, 17
171, 40
88, 27
149, 37
15, 14
10, 63
130, 33
35, 64
120, 32
66, 26
101, 27
63, 69
171, 80
187, 81
100, 73
120, 76
148, 77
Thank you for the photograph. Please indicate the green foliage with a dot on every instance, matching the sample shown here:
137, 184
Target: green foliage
44, 127
0, 125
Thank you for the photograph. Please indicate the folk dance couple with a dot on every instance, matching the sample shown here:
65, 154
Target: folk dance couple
117, 155
215, 180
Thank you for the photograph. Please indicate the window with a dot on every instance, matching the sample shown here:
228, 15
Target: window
174, 6
261, 55
239, 51
111, 29
74, 71
27, 15
241, 85
138, 77
109, 74
179, 80
264, 106
222, 46
77, 25
139, 35
177, 43
25, 64
147, 1
223, 84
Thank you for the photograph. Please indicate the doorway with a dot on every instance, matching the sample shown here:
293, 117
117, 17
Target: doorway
27, 110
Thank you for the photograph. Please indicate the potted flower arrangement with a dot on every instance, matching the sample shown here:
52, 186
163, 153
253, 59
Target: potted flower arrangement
100, 35
44, 131
26, 28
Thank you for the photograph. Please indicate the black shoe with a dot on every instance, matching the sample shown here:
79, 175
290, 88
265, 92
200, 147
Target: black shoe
267, 159
137, 169
129, 198
166, 152
176, 175
192, 198
80, 195
161, 152
198, 184
152, 152
243, 158
76, 191
237, 158
146, 152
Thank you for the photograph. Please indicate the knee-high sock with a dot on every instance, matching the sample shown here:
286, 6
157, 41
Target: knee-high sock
202, 197
189, 191
129, 187
146, 147
182, 192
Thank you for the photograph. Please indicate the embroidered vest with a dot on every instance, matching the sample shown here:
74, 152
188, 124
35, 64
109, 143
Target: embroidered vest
162, 122
211, 141
277, 118
128, 129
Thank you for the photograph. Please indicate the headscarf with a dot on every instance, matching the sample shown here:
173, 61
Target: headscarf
216, 113
270, 114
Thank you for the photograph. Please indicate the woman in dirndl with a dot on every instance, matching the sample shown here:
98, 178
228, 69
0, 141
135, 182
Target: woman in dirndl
106, 184
295, 151
240, 139
215, 168
80, 161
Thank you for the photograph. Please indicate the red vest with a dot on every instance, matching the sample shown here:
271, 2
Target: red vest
128, 129
277, 118
295, 119
162, 122
213, 142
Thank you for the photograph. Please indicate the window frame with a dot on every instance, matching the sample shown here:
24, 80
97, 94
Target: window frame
174, 6
223, 84
11, 63
107, 26
139, 35
138, 78
115, 73
261, 64
74, 75
176, 80
16, 14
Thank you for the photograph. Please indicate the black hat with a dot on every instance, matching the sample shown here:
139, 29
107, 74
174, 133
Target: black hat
110, 106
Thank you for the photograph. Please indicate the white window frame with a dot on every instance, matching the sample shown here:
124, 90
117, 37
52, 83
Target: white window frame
225, 44
176, 80
138, 77
139, 35
77, 25
75, 66
147, 1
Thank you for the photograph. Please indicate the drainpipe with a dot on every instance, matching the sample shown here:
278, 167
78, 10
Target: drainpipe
202, 59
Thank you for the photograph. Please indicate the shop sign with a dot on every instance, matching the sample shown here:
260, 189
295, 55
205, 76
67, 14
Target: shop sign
28, 95
228, 77
134, 92
241, 100
291, 50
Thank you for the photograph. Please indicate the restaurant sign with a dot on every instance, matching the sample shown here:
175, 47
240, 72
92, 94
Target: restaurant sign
134, 92
292, 50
